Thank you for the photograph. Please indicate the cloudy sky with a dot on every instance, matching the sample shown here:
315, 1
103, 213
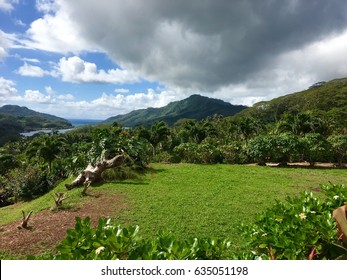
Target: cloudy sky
96, 59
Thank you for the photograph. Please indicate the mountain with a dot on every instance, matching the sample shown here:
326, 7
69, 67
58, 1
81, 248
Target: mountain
17, 111
194, 107
15, 119
324, 99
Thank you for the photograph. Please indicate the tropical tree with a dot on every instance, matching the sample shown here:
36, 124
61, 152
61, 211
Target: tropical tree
46, 148
261, 148
339, 147
286, 148
300, 124
156, 135
246, 128
315, 148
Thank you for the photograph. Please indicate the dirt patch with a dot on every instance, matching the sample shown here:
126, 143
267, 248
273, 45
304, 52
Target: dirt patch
48, 228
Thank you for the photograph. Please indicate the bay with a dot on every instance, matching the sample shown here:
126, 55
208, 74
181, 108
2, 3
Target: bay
75, 123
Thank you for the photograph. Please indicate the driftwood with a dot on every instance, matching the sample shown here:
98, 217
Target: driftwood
60, 197
25, 220
92, 174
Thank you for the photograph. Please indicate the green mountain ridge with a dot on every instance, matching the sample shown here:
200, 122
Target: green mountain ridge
324, 99
194, 107
15, 119
18, 111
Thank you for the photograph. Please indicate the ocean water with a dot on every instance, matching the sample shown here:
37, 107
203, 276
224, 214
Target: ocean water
74, 122
79, 122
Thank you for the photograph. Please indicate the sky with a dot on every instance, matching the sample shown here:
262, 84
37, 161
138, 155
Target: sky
87, 59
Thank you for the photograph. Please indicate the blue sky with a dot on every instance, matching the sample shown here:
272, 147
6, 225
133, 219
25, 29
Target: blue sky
96, 59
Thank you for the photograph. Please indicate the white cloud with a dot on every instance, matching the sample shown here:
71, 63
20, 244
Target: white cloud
51, 97
6, 5
32, 60
36, 96
47, 6
102, 107
7, 88
74, 69
49, 90
126, 103
18, 22
31, 71
55, 31
121, 90
5, 43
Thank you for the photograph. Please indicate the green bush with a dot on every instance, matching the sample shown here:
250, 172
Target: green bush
198, 153
28, 182
233, 153
109, 242
301, 228
339, 147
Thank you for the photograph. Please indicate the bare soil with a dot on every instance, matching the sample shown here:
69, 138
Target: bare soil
48, 228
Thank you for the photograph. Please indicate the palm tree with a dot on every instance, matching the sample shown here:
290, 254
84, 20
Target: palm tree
300, 124
46, 148
157, 134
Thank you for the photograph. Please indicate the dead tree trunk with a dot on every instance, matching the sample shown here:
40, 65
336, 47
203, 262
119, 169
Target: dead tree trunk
92, 174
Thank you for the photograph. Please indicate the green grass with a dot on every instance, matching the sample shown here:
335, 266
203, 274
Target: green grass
211, 200
13, 212
197, 200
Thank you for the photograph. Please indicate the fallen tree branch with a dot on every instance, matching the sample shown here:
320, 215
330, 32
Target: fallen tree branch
92, 174
25, 220
60, 197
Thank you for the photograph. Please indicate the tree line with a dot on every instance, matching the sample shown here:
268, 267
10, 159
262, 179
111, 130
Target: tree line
31, 166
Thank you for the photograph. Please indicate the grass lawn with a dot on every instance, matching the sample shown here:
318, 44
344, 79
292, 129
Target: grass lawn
212, 200
197, 200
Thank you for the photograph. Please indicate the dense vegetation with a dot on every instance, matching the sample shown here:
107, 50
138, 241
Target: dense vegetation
326, 100
194, 107
31, 167
213, 140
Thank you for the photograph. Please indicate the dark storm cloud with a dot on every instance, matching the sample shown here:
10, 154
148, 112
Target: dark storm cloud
204, 44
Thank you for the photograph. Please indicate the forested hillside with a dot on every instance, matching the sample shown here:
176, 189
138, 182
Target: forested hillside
195, 107
15, 119
325, 100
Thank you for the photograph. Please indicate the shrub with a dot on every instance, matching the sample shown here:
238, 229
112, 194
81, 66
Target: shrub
261, 149
339, 144
186, 152
286, 148
233, 153
109, 242
28, 182
301, 228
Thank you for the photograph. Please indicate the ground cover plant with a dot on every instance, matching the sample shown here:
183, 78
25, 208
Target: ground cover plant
202, 201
